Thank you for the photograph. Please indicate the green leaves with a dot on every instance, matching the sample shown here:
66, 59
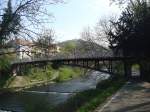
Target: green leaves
4, 63
10, 23
130, 34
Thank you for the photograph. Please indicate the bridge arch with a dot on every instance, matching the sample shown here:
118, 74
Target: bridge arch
135, 71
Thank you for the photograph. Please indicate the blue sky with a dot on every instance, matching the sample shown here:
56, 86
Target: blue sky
73, 16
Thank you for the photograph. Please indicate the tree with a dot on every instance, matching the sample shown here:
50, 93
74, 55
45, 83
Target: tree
101, 30
9, 24
96, 40
131, 32
23, 18
88, 35
131, 35
46, 38
121, 2
45, 41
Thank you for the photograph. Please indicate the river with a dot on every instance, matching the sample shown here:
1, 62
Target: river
45, 97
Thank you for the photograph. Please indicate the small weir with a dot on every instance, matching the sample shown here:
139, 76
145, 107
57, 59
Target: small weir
45, 92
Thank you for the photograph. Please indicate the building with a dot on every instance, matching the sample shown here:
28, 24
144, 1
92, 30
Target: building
23, 48
29, 50
46, 51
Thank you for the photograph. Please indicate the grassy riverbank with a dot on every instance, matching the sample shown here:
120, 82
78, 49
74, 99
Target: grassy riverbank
88, 100
39, 76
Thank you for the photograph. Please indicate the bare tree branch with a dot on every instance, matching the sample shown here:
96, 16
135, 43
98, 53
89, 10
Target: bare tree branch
23, 13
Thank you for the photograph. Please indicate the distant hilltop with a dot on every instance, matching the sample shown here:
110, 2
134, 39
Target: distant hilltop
81, 48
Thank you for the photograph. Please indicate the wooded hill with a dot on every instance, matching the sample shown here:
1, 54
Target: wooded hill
81, 48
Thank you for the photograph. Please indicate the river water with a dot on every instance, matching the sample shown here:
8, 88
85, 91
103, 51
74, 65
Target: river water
45, 97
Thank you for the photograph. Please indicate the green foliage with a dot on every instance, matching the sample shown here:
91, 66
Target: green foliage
136, 66
10, 23
5, 69
63, 73
31, 76
104, 90
4, 63
3, 80
40, 74
66, 73
68, 47
118, 68
130, 34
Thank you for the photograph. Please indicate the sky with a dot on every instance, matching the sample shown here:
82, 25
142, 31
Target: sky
71, 17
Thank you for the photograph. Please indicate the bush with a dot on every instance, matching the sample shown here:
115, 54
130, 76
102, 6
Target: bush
4, 63
66, 73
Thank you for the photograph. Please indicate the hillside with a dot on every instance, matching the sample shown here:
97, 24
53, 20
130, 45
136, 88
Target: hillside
81, 48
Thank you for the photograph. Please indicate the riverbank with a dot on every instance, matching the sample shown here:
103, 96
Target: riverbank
41, 98
84, 94
88, 100
77, 95
39, 77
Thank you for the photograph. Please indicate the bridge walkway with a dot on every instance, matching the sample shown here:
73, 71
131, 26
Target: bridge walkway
133, 97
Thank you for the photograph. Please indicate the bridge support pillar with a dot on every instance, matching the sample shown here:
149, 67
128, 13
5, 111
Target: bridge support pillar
145, 70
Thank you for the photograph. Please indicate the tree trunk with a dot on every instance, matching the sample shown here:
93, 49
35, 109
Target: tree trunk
145, 70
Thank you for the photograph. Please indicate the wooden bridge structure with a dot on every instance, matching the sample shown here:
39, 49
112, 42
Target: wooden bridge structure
102, 64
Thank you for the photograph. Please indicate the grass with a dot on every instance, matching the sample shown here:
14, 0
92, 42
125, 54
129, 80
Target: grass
62, 74
67, 73
104, 90
88, 100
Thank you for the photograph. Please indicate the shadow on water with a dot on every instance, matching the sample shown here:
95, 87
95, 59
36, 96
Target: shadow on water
31, 102
39, 103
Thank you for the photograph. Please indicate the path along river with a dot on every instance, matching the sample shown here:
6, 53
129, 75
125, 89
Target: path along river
44, 97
